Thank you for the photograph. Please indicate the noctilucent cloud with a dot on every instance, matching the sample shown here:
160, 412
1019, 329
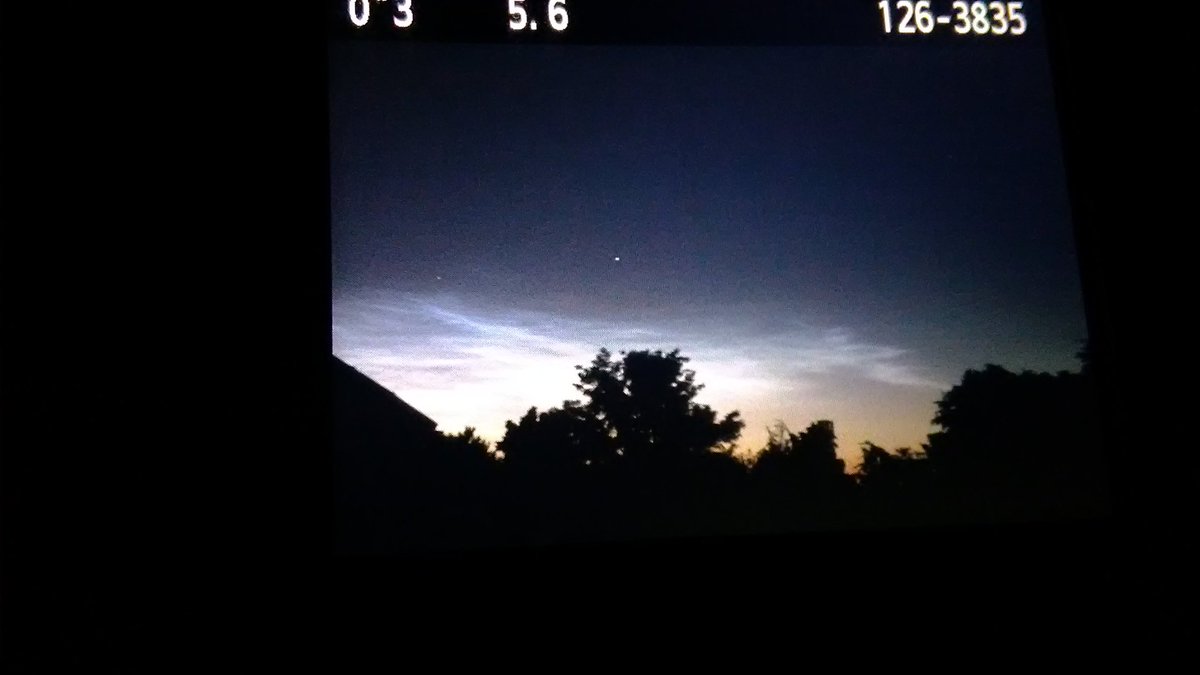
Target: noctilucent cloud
828, 232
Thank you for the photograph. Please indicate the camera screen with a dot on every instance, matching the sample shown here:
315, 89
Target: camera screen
613, 271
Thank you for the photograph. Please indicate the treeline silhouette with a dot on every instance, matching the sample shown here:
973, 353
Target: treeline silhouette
636, 456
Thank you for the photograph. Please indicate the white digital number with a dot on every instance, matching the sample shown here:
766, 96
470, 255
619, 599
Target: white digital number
970, 16
999, 18
1016, 17
906, 20
404, 14
963, 17
558, 14
517, 17
979, 18
360, 12
886, 8
924, 17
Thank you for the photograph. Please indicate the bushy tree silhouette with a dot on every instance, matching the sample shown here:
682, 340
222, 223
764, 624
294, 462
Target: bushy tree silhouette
467, 442
799, 479
894, 487
638, 409
1018, 445
638, 449
880, 467
808, 459
556, 441
467, 455
645, 401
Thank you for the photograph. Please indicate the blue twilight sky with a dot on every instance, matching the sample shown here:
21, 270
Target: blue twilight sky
829, 232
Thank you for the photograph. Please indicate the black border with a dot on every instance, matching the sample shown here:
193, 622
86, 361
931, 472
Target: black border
167, 486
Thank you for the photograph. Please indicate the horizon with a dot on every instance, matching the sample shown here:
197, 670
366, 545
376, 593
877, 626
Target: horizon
408, 381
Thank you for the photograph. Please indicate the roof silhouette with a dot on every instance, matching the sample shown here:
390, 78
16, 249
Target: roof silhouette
357, 387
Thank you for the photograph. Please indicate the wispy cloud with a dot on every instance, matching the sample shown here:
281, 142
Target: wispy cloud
472, 363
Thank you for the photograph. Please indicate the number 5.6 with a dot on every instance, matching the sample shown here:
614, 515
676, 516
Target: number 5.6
556, 12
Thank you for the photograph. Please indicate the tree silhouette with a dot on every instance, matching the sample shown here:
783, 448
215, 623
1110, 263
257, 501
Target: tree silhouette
466, 442
894, 487
645, 401
800, 475
638, 454
1017, 445
880, 467
638, 409
557, 441
466, 454
808, 458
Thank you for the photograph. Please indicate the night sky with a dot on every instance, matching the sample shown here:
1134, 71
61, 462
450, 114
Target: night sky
829, 232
